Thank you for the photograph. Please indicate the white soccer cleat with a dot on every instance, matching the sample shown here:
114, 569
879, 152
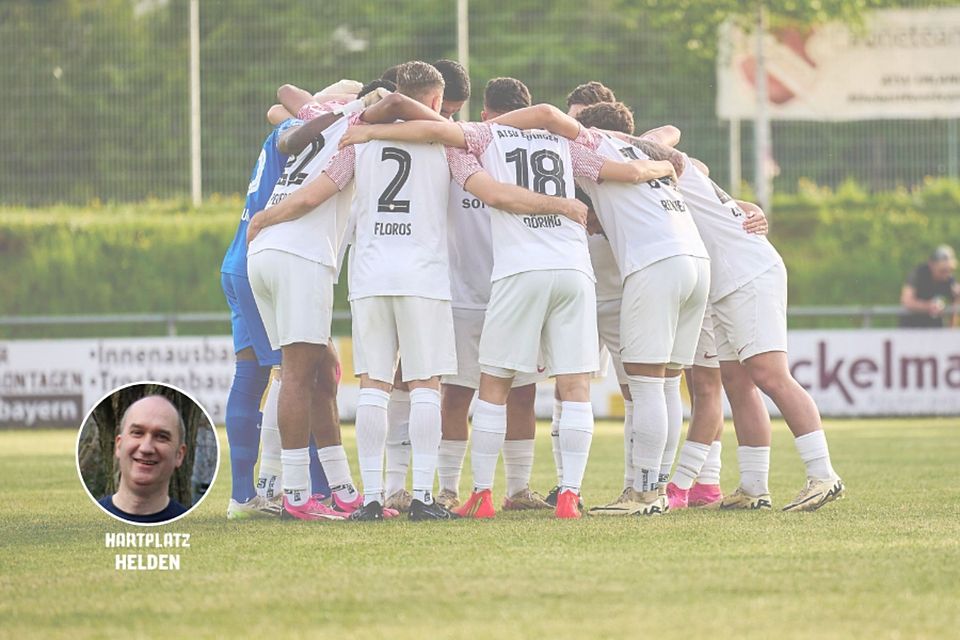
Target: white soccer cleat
740, 499
447, 499
255, 507
633, 503
817, 493
399, 501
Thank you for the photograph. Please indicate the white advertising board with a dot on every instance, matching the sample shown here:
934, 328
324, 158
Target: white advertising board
902, 63
849, 373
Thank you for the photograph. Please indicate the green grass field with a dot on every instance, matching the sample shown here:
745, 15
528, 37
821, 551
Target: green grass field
884, 563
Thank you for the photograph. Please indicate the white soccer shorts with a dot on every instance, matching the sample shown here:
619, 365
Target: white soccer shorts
467, 327
706, 355
547, 316
662, 311
608, 327
753, 319
294, 297
419, 329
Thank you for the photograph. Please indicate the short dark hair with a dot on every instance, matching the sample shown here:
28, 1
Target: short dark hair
390, 74
415, 78
612, 116
592, 92
456, 81
506, 94
376, 84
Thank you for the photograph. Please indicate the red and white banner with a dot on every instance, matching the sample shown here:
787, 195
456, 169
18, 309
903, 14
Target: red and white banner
902, 63
848, 372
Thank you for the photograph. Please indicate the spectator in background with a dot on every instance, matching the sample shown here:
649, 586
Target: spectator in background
930, 291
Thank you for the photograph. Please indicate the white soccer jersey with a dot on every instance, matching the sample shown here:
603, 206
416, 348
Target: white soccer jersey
471, 252
315, 235
645, 222
736, 257
609, 282
400, 211
540, 161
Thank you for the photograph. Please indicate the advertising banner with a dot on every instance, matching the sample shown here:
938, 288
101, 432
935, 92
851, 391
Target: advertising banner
53, 383
901, 63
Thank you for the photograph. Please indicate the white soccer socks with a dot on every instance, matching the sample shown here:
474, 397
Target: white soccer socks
692, 457
486, 440
371, 439
398, 441
813, 450
269, 476
424, 440
629, 473
555, 439
450, 464
650, 429
335, 466
296, 475
517, 464
576, 434
754, 469
710, 471
671, 390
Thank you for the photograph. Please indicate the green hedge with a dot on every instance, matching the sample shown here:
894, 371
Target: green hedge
848, 247
843, 247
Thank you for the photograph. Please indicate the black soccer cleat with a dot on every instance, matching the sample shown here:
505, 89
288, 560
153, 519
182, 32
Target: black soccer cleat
433, 511
551, 498
371, 512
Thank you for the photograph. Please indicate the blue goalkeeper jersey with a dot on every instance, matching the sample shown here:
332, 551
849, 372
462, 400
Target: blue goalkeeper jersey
262, 181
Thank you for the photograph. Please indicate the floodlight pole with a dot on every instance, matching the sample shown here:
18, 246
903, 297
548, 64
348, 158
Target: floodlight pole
196, 178
463, 46
761, 130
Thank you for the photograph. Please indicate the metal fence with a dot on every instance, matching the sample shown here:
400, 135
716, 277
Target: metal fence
216, 322
96, 94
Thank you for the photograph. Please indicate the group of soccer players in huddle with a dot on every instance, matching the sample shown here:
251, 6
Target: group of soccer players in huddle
485, 257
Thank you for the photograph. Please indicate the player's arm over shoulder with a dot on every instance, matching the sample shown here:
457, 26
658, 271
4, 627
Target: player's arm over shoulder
295, 139
293, 97
541, 116
445, 132
518, 200
667, 135
396, 106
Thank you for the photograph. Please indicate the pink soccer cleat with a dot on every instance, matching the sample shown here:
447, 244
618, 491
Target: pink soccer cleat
677, 498
346, 508
704, 496
312, 509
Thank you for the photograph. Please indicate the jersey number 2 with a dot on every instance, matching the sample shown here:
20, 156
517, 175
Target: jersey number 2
388, 202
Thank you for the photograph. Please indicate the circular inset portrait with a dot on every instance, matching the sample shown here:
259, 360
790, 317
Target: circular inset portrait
147, 453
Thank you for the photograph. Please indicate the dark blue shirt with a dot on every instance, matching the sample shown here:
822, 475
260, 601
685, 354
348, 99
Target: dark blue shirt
172, 510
